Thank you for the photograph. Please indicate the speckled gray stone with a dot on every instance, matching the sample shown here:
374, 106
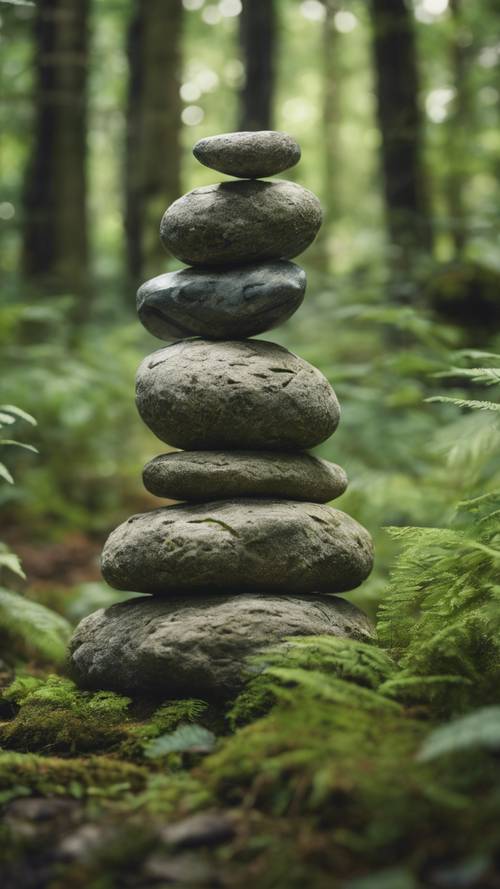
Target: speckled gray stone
237, 222
175, 648
252, 394
217, 475
222, 304
251, 545
248, 155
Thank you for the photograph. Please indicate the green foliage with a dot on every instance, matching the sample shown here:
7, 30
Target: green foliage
23, 774
54, 717
168, 717
9, 413
481, 728
185, 739
344, 659
441, 618
29, 630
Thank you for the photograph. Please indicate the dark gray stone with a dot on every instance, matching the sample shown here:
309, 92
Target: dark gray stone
255, 395
237, 222
229, 303
198, 648
250, 545
248, 155
218, 475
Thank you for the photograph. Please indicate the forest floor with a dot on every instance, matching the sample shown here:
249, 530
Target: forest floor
314, 776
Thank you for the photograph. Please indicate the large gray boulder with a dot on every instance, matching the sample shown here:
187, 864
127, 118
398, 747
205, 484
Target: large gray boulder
250, 545
176, 648
229, 303
255, 395
245, 221
218, 475
249, 155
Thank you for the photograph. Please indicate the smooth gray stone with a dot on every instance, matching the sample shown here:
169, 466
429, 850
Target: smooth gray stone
249, 155
250, 395
218, 475
237, 222
221, 304
198, 648
251, 545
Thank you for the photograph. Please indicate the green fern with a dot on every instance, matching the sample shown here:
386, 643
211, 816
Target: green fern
481, 728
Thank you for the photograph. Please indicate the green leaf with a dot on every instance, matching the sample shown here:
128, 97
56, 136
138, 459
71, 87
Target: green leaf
18, 444
12, 563
29, 630
462, 402
18, 412
478, 729
6, 418
5, 474
185, 739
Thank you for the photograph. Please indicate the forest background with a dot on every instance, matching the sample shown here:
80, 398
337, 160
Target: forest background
397, 108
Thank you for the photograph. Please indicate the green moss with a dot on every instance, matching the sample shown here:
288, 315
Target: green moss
55, 717
26, 774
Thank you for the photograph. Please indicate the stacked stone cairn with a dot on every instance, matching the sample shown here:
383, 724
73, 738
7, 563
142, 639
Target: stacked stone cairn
252, 555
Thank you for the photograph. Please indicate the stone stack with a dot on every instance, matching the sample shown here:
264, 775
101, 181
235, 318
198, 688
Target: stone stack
252, 554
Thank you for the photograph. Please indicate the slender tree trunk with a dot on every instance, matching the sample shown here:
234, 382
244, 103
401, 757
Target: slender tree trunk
258, 48
55, 250
401, 127
332, 76
153, 148
457, 131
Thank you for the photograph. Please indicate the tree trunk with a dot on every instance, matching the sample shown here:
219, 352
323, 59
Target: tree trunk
458, 133
257, 40
153, 147
332, 75
401, 128
55, 250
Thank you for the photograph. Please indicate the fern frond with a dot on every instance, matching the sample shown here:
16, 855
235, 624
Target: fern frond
465, 403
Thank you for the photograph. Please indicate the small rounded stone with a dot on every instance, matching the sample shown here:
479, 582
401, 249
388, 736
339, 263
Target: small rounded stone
255, 395
237, 222
221, 303
248, 155
174, 648
251, 545
218, 475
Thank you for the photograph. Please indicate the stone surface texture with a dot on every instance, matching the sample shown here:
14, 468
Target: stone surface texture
176, 648
218, 475
248, 155
237, 222
249, 394
221, 303
249, 545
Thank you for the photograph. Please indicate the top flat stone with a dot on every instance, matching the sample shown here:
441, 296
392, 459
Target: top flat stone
248, 155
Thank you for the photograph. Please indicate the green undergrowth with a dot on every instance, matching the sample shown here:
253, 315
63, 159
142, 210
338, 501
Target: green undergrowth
349, 765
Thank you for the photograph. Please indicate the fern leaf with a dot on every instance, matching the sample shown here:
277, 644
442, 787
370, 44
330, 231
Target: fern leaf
18, 412
465, 403
478, 729
5, 474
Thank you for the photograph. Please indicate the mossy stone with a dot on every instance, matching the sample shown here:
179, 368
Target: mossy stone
246, 221
217, 475
237, 546
248, 394
179, 648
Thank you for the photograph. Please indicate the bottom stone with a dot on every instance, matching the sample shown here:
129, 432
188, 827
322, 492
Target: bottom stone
198, 647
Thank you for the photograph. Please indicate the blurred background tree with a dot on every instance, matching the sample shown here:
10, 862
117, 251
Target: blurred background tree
396, 104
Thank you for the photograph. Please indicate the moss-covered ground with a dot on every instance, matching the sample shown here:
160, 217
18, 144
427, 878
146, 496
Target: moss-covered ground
317, 775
